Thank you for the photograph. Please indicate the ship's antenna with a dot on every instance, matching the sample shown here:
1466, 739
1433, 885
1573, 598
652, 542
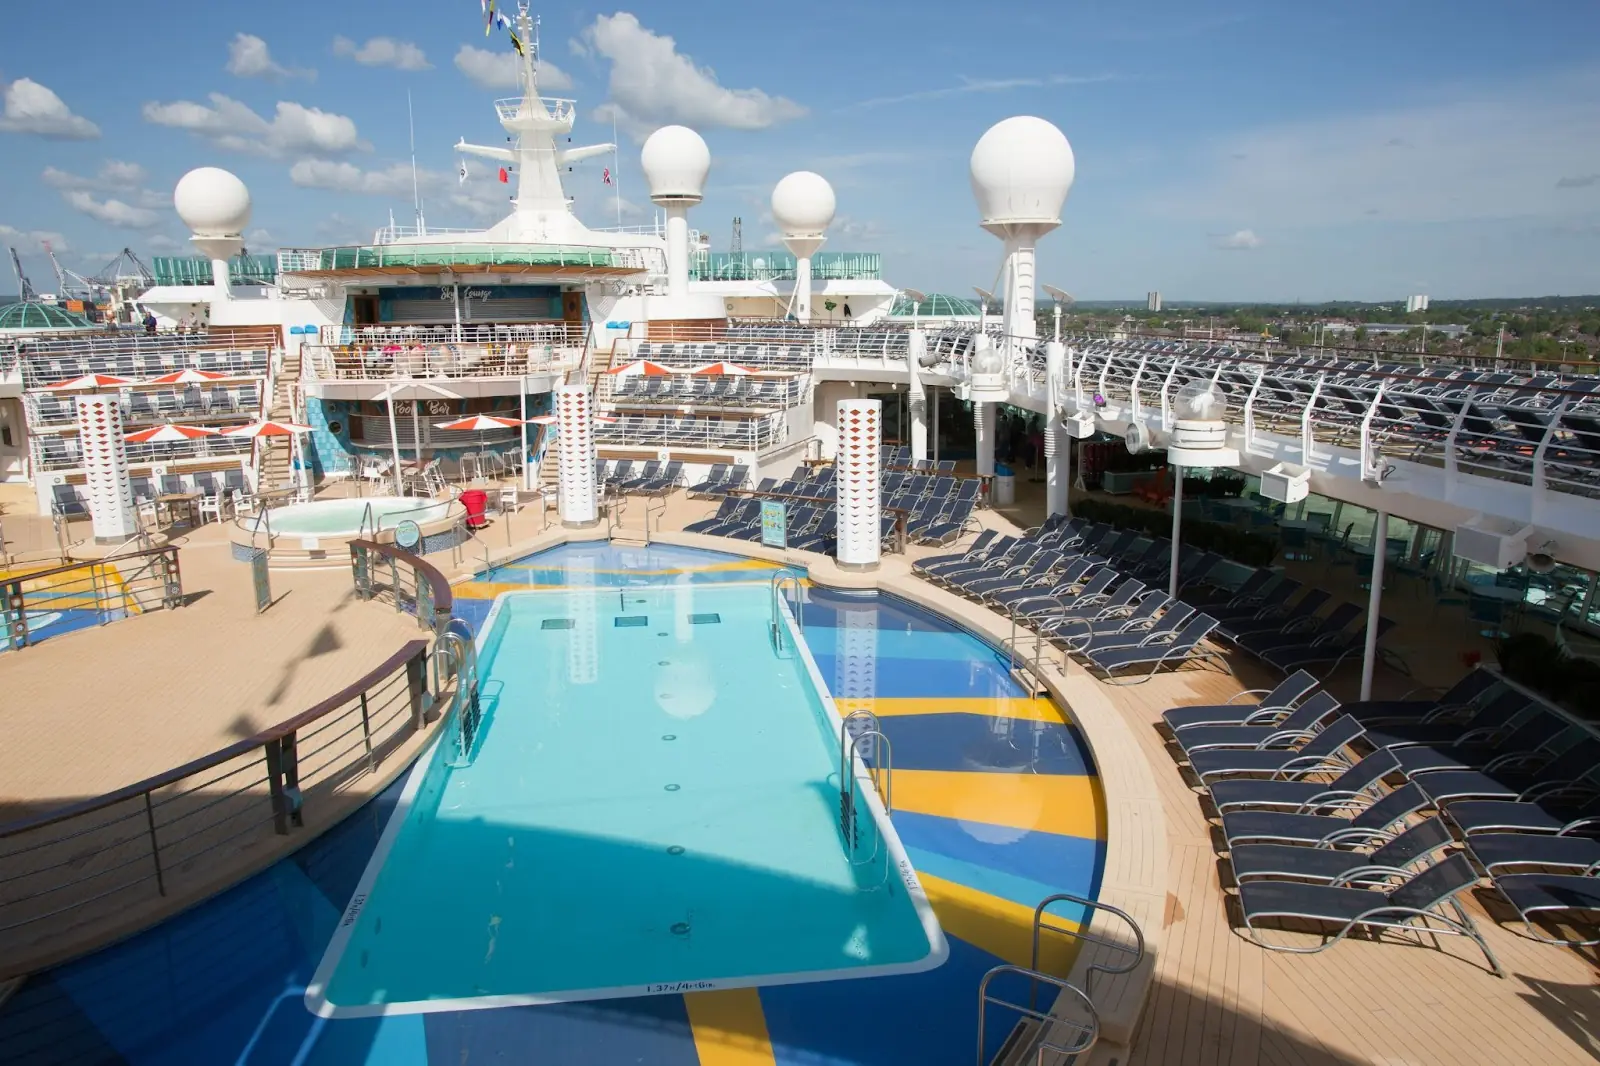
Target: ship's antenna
416, 193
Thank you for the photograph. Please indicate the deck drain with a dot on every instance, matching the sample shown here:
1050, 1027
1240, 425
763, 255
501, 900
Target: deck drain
680, 928
669, 736
676, 849
662, 634
629, 621
558, 623
664, 662
709, 619
673, 788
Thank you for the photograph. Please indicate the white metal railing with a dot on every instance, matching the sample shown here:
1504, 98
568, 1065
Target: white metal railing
391, 233
388, 338
45, 363
723, 434
61, 452
384, 361
704, 390
559, 108
46, 410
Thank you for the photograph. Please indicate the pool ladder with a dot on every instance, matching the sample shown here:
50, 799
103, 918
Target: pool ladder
455, 657
865, 755
776, 628
1067, 1037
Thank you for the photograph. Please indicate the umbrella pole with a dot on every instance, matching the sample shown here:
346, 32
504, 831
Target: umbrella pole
394, 440
522, 412
416, 432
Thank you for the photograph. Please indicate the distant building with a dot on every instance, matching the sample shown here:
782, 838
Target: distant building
1152, 301
1416, 303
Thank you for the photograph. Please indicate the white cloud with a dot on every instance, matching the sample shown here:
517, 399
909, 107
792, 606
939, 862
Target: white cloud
260, 238
1458, 156
161, 242
1243, 240
498, 70
294, 129
979, 85
32, 108
249, 57
112, 212
393, 180
383, 52
26, 239
652, 83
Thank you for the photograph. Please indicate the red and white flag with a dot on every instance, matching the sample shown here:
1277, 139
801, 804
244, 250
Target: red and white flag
605, 176
504, 177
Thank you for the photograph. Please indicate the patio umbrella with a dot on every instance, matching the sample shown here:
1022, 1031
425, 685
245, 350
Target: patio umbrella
480, 423
271, 428
93, 381
170, 433
642, 366
725, 369
187, 377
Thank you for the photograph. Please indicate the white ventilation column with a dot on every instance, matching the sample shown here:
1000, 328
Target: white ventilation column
1057, 445
105, 461
856, 481
575, 439
677, 250
916, 395
983, 430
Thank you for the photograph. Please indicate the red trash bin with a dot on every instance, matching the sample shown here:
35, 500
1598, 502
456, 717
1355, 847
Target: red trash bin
476, 501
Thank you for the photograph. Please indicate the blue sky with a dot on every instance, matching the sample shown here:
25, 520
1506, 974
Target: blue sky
1251, 150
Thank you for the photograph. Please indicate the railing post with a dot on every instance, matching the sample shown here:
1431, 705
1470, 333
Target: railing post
366, 732
172, 579
361, 571
280, 806
417, 686
424, 597
16, 616
155, 846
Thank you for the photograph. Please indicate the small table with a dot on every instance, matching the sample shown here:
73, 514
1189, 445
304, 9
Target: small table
188, 499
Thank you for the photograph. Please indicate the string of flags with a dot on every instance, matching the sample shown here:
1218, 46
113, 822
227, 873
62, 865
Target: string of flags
605, 176
493, 18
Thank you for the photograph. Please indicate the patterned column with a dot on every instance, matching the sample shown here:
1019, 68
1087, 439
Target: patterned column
916, 395
575, 438
855, 682
105, 461
857, 482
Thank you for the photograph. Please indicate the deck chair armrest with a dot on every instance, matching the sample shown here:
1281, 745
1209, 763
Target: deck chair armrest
1544, 790
1360, 873
1257, 692
1284, 735
1335, 797
1579, 823
1444, 712
1513, 759
1314, 764
1355, 833
1266, 716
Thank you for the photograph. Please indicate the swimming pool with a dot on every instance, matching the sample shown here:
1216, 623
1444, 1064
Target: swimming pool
653, 807
344, 517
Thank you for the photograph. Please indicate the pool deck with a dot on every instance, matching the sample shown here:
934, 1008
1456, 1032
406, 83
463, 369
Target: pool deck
1211, 997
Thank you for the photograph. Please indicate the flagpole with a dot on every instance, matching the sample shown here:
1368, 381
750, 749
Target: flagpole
616, 181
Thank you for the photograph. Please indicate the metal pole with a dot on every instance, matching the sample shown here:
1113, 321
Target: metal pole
934, 392
1380, 555
394, 437
522, 413
1177, 520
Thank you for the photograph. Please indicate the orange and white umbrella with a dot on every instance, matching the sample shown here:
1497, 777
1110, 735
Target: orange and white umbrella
269, 428
190, 376
92, 381
171, 433
479, 423
724, 369
642, 366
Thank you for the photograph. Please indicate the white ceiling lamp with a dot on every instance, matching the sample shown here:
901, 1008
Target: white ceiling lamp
988, 378
1200, 429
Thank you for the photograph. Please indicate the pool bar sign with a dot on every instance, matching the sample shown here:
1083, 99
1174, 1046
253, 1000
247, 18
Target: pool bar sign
774, 524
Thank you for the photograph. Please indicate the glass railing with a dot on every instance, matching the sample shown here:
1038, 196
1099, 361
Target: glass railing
292, 260
196, 270
780, 266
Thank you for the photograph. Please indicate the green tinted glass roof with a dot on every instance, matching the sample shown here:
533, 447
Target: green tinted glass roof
40, 316
937, 305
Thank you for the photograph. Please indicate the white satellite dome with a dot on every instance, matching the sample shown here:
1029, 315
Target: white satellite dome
1022, 170
675, 161
803, 204
212, 202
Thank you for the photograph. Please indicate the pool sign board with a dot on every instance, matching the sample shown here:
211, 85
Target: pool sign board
407, 535
262, 579
774, 524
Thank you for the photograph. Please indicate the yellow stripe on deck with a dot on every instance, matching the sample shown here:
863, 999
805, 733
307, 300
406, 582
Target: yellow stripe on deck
1021, 707
729, 1027
1048, 803
997, 925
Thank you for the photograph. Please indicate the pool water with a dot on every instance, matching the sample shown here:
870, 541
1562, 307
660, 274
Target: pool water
653, 807
344, 517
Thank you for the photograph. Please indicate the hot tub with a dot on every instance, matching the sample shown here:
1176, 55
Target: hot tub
344, 518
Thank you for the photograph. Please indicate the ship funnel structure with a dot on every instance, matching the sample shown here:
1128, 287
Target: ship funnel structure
676, 161
1022, 169
803, 205
215, 205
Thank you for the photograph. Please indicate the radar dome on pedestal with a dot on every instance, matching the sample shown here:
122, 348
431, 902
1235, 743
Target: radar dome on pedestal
1022, 169
803, 204
212, 202
675, 161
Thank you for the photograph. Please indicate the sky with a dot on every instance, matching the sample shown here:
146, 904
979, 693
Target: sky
1240, 151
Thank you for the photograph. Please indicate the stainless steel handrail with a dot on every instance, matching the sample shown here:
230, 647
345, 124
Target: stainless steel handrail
1039, 925
1086, 1033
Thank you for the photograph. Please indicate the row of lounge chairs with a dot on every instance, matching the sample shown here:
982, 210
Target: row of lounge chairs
1083, 588
653, 479
1288, 636
1381, 814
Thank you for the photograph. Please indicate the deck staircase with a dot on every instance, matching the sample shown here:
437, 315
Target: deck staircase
597, 364
274, 468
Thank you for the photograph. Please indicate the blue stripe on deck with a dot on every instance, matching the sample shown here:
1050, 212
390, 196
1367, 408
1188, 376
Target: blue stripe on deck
924, 677
1056, 862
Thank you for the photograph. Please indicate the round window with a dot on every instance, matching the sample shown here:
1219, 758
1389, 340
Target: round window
335, 428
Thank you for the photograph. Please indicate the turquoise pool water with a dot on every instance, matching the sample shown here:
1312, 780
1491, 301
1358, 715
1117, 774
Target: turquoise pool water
653, 807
